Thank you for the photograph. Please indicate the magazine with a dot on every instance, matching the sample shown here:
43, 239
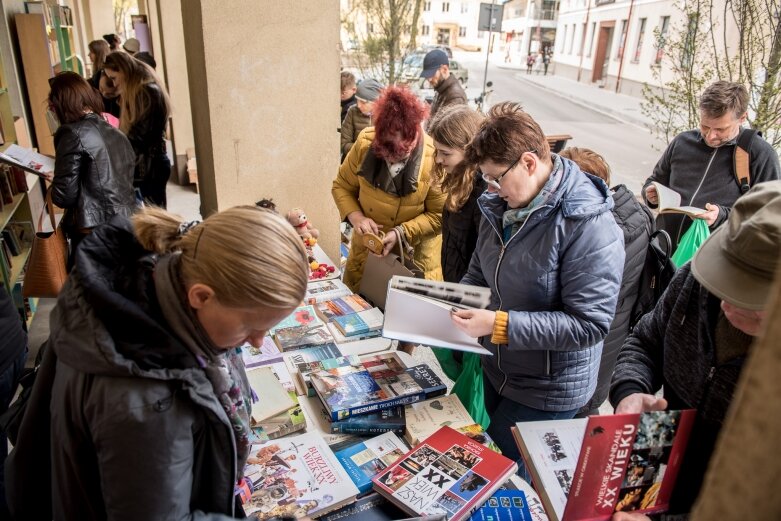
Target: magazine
592, 467
418, 311
27, 159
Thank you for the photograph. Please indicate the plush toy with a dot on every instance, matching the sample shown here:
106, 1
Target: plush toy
298, 219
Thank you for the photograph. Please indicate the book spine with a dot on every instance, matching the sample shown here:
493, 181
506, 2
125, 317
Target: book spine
336, 428
377, 406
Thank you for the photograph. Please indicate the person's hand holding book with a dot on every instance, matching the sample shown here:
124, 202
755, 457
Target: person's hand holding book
710, 215
474, 322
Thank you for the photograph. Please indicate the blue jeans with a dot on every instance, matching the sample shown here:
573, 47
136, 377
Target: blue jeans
8, 381
505, 413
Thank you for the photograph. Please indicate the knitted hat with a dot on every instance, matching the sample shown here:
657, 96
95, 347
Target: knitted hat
369, 90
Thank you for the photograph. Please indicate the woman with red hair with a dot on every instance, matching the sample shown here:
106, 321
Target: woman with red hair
385, 184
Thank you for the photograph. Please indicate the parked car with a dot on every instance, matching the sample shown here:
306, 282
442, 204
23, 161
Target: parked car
412, 66
427, 48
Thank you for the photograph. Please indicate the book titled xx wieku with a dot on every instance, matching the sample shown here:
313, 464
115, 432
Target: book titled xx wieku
587, 469
448, 474
377, 382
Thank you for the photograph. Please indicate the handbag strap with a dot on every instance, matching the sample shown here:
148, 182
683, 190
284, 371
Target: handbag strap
48, 207
406, 248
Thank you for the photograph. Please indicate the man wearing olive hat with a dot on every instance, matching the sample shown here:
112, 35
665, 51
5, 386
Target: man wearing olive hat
359, 116
695, 341
436, 69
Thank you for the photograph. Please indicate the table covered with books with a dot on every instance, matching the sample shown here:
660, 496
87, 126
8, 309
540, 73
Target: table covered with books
344, 426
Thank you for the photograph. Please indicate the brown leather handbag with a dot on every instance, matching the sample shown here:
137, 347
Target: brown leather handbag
46, 270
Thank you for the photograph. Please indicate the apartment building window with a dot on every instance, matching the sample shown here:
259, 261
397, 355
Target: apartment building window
445, 7
564, 39
591, 38
462, 31
582, 39
369, 27
664, 25
640, 36
572, 39
427, 6
424, 30
464, 8
621, 41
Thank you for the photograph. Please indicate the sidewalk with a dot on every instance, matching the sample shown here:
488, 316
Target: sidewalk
618, 106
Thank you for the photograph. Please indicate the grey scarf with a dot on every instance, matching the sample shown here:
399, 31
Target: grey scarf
224, 369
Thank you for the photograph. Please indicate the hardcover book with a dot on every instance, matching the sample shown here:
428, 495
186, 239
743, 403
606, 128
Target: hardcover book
418, 311
296, 476
592, 467
269, 397
359, 323
378, 422
368, 458
287, 422
504, 505
290, 338
425, 418
339, 337
342, 306
302, 362
267, 353
378, 382
323, 290
448, 474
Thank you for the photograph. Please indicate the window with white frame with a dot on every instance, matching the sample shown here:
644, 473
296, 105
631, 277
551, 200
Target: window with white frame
462, 31
424, 30
445, 7
621, 41
582, 39
564, 39
640, 36
464, 7
661, 38
426, 6
572, 39
591, 38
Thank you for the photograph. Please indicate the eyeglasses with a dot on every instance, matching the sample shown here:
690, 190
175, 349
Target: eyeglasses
494, 181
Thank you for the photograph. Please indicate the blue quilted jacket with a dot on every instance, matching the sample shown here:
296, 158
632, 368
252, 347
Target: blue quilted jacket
558, 277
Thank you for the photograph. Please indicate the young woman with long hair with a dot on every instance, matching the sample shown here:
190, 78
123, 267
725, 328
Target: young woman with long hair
144, 115
98, 50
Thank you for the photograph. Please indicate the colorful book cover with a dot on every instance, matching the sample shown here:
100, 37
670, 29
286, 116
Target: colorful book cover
591, 468
287, 422
322, 290
302, 316
425, 418
303, 361
377, 422
504, 505
378, 382
342, 306
339, 337
448, 474
296, 476
302, 336
267, 353
359, 323
365, 460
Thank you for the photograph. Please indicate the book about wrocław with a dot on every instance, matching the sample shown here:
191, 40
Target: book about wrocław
448, 474
368, 458
296, 476
589, 468
418, 311
377, 382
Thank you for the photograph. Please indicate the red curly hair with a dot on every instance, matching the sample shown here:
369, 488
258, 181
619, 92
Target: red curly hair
397, 116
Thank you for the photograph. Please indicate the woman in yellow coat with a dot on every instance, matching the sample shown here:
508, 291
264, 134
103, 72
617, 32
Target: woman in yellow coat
384, 184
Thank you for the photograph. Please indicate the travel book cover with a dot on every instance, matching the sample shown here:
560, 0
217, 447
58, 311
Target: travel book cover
290, 338
377, 382
296, 476
359, 323
368, 458
448, 474
267, 353
302, 362
322, 290
504, 505
286, 422
669, 201
418, 311
590, 468
342, 306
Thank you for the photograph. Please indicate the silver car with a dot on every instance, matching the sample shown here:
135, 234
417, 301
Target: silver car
412, 66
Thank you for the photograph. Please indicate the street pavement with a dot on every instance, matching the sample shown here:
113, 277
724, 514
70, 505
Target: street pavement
608, 123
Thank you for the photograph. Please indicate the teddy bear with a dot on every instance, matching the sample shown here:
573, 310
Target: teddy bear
298, 219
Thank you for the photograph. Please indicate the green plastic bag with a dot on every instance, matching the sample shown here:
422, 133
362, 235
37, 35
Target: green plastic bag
691, 242
468, 386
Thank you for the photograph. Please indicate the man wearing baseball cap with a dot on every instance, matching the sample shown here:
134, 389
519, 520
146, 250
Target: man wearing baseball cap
436, 69
694, 343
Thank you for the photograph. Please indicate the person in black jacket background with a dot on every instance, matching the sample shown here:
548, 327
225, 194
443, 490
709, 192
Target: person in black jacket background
143, 117
13, 355
93, 169
636, 223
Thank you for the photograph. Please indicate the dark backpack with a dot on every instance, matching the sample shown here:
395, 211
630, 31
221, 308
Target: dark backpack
658, 271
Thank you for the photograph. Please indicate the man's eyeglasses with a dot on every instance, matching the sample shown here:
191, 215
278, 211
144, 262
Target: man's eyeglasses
494, 181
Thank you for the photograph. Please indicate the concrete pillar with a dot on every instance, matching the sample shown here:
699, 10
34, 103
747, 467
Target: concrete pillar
170, 38
263, 80
98, 16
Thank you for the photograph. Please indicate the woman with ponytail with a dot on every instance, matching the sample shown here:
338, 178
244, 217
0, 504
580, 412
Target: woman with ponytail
150, 404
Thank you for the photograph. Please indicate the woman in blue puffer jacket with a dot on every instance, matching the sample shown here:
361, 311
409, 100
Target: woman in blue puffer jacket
552, 255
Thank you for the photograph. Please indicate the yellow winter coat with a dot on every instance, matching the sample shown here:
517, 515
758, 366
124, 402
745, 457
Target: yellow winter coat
419, 213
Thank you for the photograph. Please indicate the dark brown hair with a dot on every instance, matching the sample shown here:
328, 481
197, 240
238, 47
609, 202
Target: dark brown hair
100, 49
588, 161
724, 96
454, 127
505, 135
347, 79
71, 96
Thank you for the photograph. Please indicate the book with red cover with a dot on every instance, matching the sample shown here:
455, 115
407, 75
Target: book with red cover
448, 474
587, 469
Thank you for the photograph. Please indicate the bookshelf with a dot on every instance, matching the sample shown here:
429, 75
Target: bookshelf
7, 132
